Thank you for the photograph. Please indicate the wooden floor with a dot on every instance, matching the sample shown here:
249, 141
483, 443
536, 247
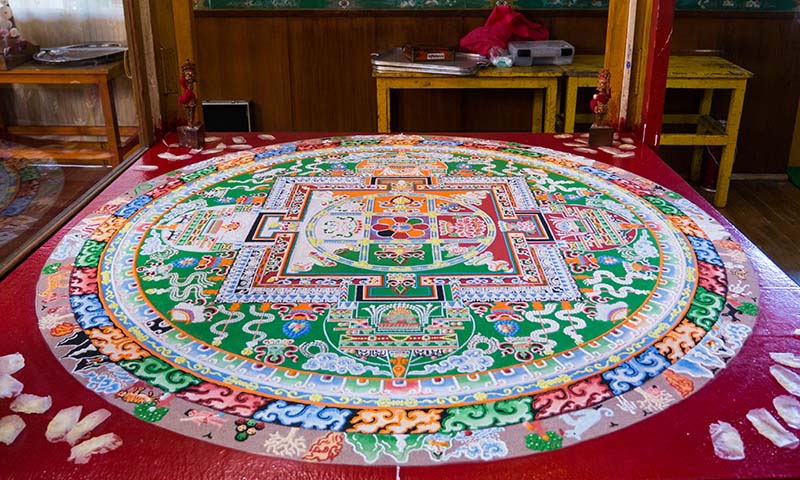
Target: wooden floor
768, 212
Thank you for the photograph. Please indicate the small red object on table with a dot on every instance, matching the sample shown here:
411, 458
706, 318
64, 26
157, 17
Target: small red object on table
418, 53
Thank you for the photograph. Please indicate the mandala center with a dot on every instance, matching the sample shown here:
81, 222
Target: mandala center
397, 233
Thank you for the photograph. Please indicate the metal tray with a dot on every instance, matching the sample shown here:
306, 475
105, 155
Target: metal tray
395, 61
82, 53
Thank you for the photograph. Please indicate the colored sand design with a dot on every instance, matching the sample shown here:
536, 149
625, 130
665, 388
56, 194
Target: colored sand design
385, 299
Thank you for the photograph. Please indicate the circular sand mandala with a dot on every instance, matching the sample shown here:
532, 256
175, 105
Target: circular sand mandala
392, 299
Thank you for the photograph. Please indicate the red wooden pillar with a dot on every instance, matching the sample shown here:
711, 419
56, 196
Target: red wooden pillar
637, 54
649, 128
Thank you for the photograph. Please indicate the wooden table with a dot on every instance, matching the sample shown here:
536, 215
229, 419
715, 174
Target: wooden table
685, 72
537, 78
99, 75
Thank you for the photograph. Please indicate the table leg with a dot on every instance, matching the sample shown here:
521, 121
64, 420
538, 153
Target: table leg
729, 150
570, 105
110, 115
538, 107
551, 94
697, 156
384, 106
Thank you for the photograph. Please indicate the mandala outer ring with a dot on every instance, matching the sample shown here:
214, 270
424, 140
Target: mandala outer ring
536, 421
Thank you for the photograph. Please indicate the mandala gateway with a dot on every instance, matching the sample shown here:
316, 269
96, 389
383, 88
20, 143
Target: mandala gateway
393, 299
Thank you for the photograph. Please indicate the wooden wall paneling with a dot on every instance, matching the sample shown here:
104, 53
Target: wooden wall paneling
497, 110
332, 84
247, 58
397, 31
585, 32
426, 110
774, 57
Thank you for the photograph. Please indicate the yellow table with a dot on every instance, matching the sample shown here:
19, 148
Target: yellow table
538, 78
685, 72
98, 75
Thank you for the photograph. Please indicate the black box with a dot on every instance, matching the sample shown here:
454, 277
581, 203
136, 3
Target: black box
227, 116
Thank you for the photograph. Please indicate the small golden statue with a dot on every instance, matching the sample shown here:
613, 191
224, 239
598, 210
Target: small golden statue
190, 135
600, 133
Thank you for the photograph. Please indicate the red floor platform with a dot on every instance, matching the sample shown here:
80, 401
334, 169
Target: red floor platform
672, 444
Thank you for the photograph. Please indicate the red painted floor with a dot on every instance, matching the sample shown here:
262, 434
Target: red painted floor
672, 444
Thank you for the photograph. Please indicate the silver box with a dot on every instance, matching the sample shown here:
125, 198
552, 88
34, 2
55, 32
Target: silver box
547, 52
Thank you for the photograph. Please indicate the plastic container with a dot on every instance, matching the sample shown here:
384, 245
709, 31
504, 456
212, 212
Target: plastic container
546, 52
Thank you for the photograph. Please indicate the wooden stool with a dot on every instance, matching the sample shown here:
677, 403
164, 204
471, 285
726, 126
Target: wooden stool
709, 74
685, 72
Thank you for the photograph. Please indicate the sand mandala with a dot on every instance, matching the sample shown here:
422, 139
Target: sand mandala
28, 191
397, 299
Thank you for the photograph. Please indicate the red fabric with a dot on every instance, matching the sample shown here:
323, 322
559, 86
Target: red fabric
502, 26
188, 96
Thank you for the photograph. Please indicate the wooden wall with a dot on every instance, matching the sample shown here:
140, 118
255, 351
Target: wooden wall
310, 71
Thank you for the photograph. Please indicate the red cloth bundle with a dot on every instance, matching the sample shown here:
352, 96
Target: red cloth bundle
502, 26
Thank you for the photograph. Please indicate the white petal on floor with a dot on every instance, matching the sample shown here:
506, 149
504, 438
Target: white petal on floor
240, 147
220, 145
145, 168
10, 426
785, 358
27, 403
787, 378
211, 151
266, 137
11, 364
9, 386
610, 150
727, 441
586, 150
789, 409
62, 423
239, 140
170, 156
768, 426
89, 422
212, 139
104, 443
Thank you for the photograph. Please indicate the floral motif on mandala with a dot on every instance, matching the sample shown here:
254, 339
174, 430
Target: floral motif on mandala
400, 228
